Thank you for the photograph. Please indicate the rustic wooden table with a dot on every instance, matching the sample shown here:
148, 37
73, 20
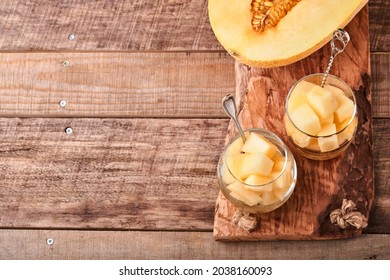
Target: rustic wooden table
111, 130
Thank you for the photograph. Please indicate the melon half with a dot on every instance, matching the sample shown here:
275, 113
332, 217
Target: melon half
305, 28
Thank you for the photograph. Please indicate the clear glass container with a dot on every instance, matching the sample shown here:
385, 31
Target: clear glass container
322, 146
264, 197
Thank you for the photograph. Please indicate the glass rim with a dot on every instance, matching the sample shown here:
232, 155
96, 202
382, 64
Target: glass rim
285, 150
329, 76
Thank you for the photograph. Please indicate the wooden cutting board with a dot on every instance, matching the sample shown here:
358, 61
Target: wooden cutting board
321, 186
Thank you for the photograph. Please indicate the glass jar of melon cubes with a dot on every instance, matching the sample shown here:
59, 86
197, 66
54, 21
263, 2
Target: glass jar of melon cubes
259, 175
320, 121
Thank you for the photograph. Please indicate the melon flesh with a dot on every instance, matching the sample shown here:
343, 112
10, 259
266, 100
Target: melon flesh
306, 119
240, 193
305, 29
322, 101
258, 144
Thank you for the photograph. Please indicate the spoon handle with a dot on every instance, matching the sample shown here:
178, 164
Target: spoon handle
340, 40
229, 106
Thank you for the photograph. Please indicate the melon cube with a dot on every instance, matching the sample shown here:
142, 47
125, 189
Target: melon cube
227, 177
299, 95
280, 193
256, 180
301, 139
279, 183
288, 126
283, 179
269, 198
258, 183
278, 157
334, 90
306, 119
256, 164
322, 101
348, 133
233, 164
327, 120
235, 147
327, 130
258, 144
345, 110
341, 126
240, 193
328, 143
313, 146
278, 165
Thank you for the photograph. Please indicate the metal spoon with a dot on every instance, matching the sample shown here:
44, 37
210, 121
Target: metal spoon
229, 106
341, 37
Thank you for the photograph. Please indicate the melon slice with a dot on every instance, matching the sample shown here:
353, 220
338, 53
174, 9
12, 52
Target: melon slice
304, 29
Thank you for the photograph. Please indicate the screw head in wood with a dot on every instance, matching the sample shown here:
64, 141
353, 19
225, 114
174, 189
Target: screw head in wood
50, 241
63, 103
68, 130
65, 63
72, 37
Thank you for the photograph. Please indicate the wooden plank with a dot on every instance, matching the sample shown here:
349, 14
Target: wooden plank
379, 25
109, 173
128, 25
130, 84
147, 174
321, 185
106, 25
115, 84
380, 212
380, 71
133, 245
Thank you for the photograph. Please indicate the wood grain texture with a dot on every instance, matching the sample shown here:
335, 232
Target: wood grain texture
115, 84
106, 25
152, 174
380, 212
133, 245
379, 24
147, 174
128, 25
130, 84
380, 69
321, 185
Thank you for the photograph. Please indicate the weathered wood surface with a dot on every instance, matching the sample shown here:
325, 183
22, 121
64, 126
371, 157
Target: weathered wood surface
104, 25
321, 185
379, 24
115, 84
380, 84
109, 173
133, 245
128, 25
144, 174
130, 84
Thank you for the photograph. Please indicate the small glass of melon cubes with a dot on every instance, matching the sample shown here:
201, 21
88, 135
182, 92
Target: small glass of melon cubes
259, 175
320, 121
